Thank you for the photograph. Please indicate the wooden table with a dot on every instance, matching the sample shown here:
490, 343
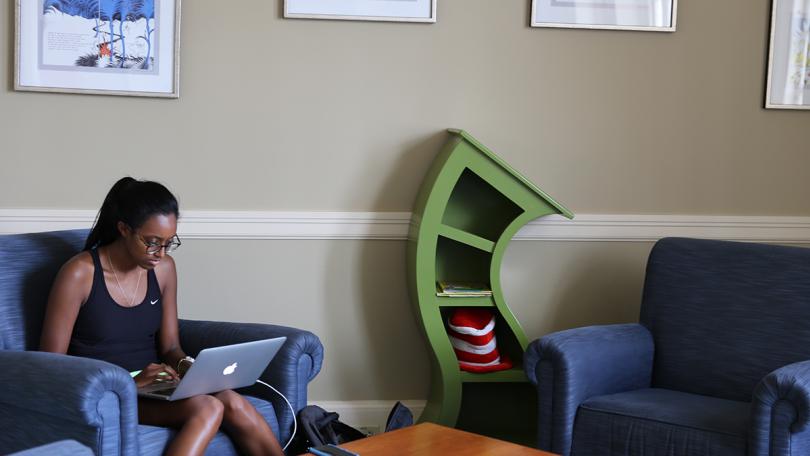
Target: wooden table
428, 439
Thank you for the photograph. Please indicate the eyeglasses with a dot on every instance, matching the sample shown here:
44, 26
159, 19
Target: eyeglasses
154, 247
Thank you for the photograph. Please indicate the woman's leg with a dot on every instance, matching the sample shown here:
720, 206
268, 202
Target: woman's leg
246, 426
197, 419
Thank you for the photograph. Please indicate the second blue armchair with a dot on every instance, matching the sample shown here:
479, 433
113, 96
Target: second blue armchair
718, 365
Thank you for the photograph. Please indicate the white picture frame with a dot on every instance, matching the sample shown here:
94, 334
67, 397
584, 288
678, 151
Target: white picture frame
363, 10
77, 46
639, 15
788, 83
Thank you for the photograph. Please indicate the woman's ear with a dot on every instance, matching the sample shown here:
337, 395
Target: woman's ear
123, 229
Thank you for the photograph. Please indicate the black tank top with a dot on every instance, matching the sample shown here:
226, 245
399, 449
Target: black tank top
126, 336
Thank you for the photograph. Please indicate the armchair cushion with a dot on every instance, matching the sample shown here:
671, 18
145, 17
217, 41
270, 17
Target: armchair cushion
653, 422
28, 264
725, 314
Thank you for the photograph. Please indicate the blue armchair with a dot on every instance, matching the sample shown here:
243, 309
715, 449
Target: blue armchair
60, 448
47, 397
717, 366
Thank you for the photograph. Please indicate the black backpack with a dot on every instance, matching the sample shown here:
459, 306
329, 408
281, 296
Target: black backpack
318, 427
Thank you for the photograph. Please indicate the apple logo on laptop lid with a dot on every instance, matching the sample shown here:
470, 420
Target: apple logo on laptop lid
229, 369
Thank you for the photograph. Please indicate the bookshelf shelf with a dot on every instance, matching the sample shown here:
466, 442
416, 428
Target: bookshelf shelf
469, 207
466, 238
478, 301
513, 375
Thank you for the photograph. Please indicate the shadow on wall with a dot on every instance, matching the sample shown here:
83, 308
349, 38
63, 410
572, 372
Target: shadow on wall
396, 361
552, 286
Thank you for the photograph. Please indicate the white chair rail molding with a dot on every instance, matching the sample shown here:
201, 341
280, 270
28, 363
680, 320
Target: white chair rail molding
394, 225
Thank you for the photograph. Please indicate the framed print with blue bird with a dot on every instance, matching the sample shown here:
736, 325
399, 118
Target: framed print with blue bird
110, 47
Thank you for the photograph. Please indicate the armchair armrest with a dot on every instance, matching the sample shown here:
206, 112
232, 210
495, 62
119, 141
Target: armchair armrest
780, 408
570, 366
295, 365
48, 396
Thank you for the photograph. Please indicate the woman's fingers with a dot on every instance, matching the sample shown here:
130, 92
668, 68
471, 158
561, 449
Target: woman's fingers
158, 373
165, 374
170, 372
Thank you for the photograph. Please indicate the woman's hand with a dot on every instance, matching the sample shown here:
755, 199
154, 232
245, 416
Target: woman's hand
155, 373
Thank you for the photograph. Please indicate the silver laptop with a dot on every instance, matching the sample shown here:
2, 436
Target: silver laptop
217, 369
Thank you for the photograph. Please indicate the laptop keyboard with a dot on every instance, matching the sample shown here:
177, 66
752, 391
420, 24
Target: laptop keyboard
164, 392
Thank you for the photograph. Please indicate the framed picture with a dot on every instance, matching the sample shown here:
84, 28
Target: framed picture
789, 56
109, 47
645, 15
363, 10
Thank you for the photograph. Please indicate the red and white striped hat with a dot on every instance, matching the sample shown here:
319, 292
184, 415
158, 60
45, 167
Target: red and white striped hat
472, 334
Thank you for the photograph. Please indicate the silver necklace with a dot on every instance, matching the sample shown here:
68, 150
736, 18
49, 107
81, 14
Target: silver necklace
134, 292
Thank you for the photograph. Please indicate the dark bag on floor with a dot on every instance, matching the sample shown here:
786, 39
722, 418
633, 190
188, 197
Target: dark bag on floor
399, 417
318, 427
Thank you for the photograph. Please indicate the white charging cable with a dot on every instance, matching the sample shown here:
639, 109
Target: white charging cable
292, 410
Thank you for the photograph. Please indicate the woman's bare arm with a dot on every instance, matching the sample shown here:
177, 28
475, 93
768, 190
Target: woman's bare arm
69, 291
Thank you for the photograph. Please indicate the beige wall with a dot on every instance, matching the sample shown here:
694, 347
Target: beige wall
334, 115
300, 115
352, 294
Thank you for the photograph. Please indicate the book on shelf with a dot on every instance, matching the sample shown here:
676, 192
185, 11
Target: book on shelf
462, 289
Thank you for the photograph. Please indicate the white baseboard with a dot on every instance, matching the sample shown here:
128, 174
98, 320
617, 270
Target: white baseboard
394, 226
368, 415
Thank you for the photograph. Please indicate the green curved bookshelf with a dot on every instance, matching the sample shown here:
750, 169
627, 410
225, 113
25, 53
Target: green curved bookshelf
468, 209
